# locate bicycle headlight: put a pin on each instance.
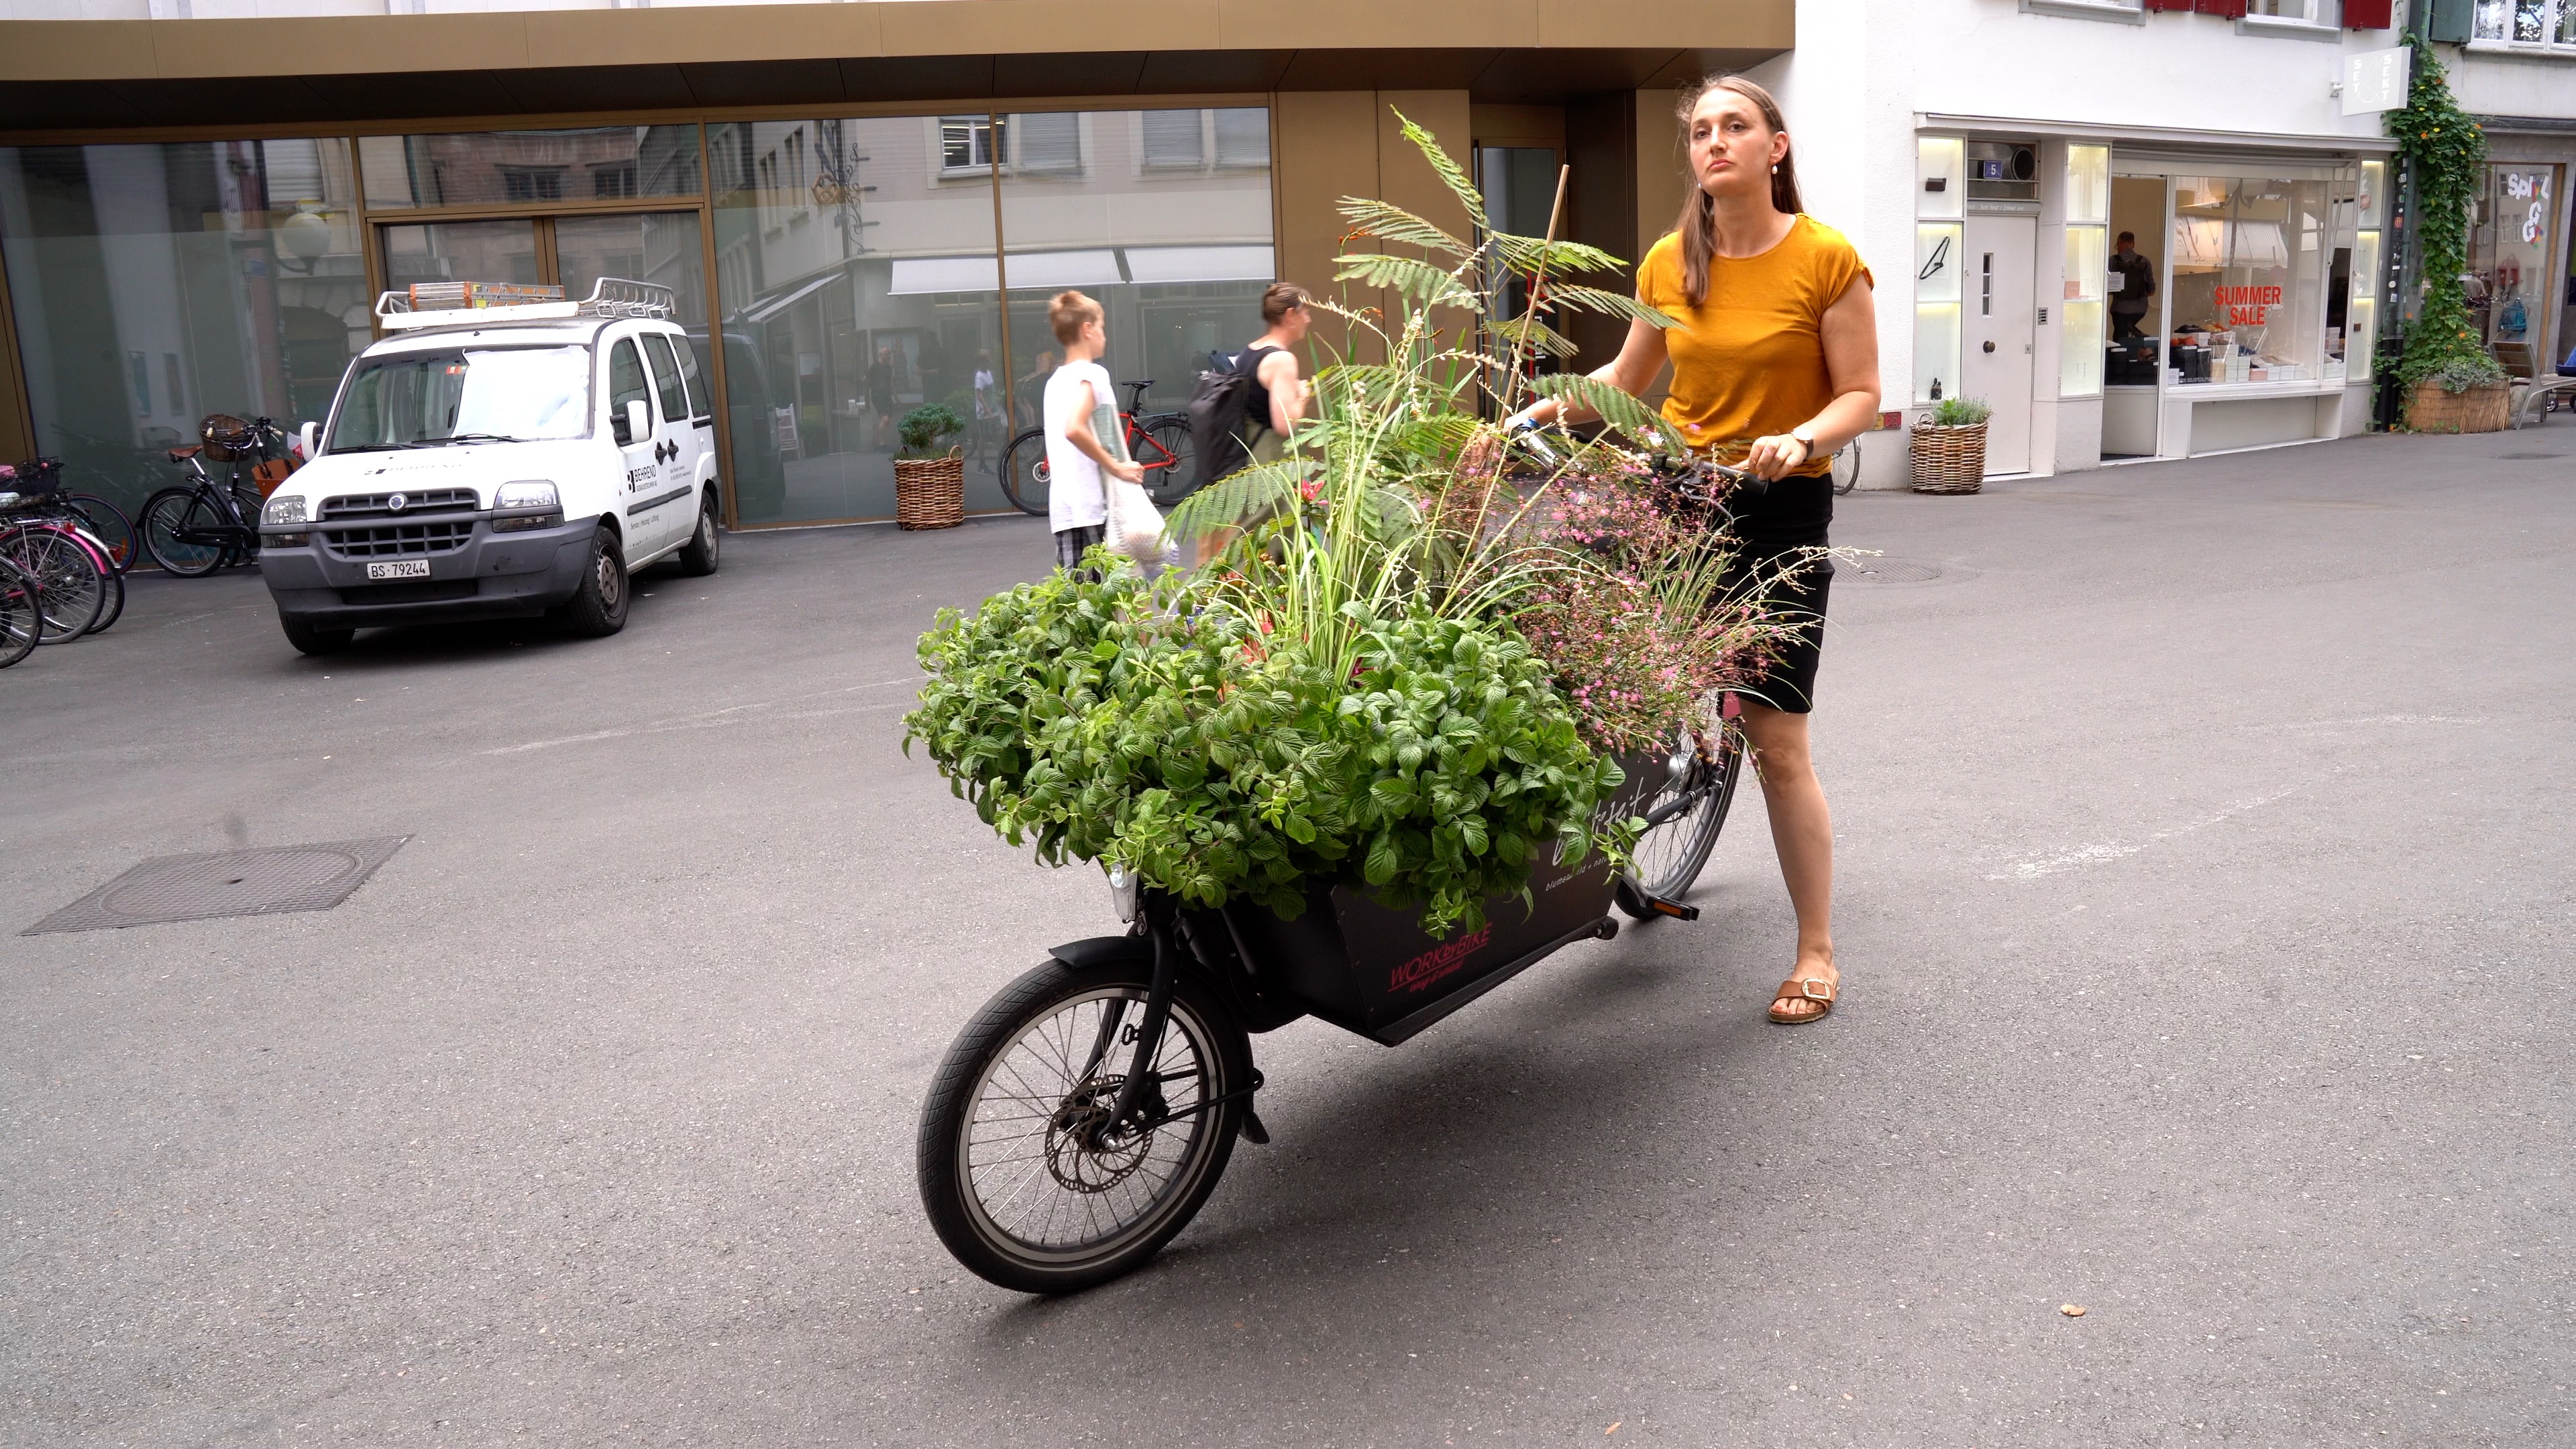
(283, 508)
(528, 493)
(1122, 891)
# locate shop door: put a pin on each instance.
(1996, 362)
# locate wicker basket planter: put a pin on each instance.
(2480, 409)
(1949, 460)
(930, 492)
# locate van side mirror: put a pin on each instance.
(635, 423)
(310, 435)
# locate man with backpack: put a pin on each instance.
(1242, 409)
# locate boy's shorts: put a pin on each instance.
(1070, 542)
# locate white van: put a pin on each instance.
(497, 456)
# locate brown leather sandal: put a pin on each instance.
(1810, 989)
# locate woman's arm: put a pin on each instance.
(1632, 372)
(1278, 373)
(1850, 335)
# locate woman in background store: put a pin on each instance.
(1775, 367)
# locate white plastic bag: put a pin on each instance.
(1135, 524)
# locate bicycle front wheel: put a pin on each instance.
(1170, 466)
(1024, 472)
(108, 524)
(1684, 811)
(1024, 1175)
(69, 582)
(22, 614)
(178, 530)
(1846, 472)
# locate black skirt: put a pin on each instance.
(1794, 513)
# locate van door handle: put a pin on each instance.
(1990, 347)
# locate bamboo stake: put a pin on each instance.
(1538, 279)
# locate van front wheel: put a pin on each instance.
(598, 607)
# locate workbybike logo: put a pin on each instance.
(1438, 962)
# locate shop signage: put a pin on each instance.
(2532, 189)
(2248, 306)
(2375, 80)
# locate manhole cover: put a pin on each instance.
(261, 882)
(1883, 571)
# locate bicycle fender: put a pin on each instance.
(1099, 950)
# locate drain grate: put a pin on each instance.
(205, 887)
(1883, 571)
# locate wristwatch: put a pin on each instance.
(1805, 433)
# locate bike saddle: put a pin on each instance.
(182, 455)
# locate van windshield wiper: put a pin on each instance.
(464, 438)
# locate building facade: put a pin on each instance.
(863, 207)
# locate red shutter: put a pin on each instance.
(2224, 9)
(2367, 15)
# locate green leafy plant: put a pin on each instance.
(2446, 153)
(925, 428)
(1960, 412)
(2460, 374)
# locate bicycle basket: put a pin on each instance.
(228, 439)
(37, 477)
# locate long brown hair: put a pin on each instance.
(1698, 223)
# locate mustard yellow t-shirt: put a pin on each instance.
(1749, 360)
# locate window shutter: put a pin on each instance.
(1242, 136)
(2224, 9)
(1048, 141)
(1171, 140)
(2368, 14)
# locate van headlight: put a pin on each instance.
(527, 493)
(283, 508)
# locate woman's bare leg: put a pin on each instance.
(1802, 832)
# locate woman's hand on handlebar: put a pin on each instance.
(1773, 457)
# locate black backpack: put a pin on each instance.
(1220, 412)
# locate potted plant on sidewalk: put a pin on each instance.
(1950, 447)
(2452, 384)
(929, 485)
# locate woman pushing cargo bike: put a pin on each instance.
(1449, 694)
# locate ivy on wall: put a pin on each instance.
(2447, 152)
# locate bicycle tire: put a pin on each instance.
(1846, 468)
(1671, 853)
(108, 524)
(22, 613)
(112, 607)
(1169, 483)
(1024, 473)
(173, 511)
(70, 584)
(963, 1211)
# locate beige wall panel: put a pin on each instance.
(1405, 176)
(703, 33)
(343, 45)
(1660, 166)
(17, 429)
(73, 50)
(1517, 125)
(1378, 24)
(1325, 149)
(1024, 27)
(1683, 24)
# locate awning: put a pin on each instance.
(1199, 264)
(914, 276)
(763, 310)
(1053, 271)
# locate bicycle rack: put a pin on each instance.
(610, 297)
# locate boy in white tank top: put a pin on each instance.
(1079, 396)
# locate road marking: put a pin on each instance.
(2369, 719)
(2121, 849)
(718, 718)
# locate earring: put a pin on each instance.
(1775, 170)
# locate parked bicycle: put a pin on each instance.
(21, 614)
(1158, 442)
(80, 589)
(211, 522)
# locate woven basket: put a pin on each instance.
(930, 492)
(1949, 460)
(2481, 409)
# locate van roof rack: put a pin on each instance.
(473, 304)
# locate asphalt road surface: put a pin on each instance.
(2204, 912)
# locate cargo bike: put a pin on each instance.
(1084, 1115)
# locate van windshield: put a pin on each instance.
(466, 395)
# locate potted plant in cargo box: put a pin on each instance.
(1390, 678)
(1949, 447)
(929, 485)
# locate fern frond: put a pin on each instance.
(1612, 304)
(1528, 254)
(1389, 223)
(1532, 334)
(1418, 280)
(1442, 162)
(1244, 496)
(1615, 406)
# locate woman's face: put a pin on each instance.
(1732, 149)
(1294, 322)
